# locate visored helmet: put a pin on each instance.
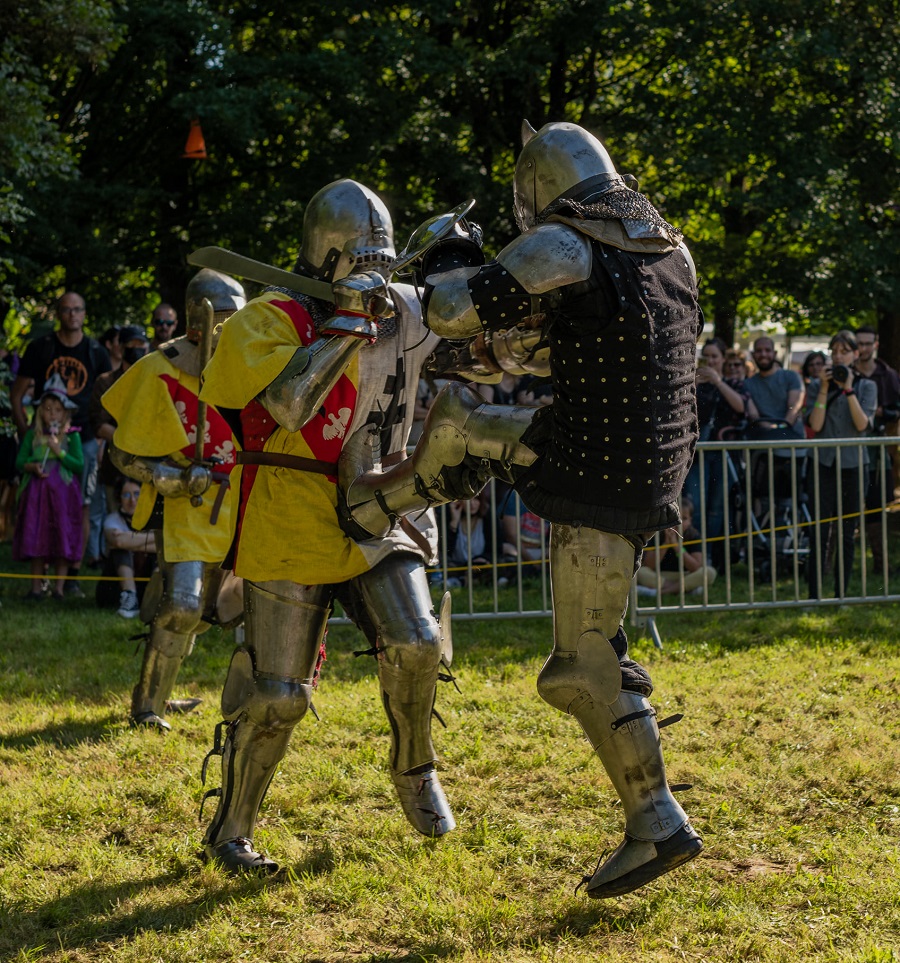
(221, 290)
(559, 160)
(346, 227)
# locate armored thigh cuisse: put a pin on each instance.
(177, 617)
(267, 692)
(591, 572)
(410, 646)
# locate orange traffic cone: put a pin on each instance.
(195, 148)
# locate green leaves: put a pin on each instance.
(767, 130)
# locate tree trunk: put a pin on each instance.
(889, 335)
(723, 325)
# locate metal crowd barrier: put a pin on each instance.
(773, 529)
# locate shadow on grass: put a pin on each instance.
(71, 920)
(65, 734)
(595, 916)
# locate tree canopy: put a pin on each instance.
(767, 131)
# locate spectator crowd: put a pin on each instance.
(67, 509)
(64, 506)
(752, 395)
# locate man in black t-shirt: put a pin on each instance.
(78, 360)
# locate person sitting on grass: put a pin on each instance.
(660, 570)
(48, 520)
(131, 554)
(470, 538)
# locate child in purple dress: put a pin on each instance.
(48, 519)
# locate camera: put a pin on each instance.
(840, 373)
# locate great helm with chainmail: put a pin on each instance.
(222, 291)
(346, 227)
(559, 160)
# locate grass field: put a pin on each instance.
(791, 739)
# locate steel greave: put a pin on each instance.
(266, 694)
(249, 759)
(163, 655)
(631, 754)
(408, 700)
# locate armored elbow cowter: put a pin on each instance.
(171, 481)
(295, 396)
(464, 441)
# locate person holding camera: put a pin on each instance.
(887, 420)
(840, 404)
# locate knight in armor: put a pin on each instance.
(599, 294)
(185, 499)
(296, 376)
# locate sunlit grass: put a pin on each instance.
(790, 739)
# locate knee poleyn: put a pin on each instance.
(410, 647)
(264, 701)
(179, 613)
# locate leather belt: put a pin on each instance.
(280, 460)
(223, 482)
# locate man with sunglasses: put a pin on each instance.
(164, 321)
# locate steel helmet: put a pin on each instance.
(559, 160)
(345, 227)
(222, 291)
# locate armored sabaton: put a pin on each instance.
(613, 289)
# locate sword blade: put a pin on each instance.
(228, 262)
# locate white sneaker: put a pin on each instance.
(129, 607)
